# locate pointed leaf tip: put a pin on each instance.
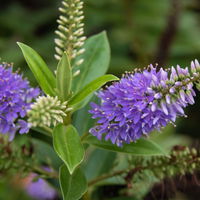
(40, 70)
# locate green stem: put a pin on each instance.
(84, 136)
(68, 119)
(190, 80)
(130, 172)
(41, 171)
(106, 176)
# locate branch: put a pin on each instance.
(181, 160)
(106, 176)
(47, 174)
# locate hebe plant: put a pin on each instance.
(129, 109)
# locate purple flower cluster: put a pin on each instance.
(15, 99)
(142, 102)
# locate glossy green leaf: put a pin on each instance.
(90, 88)
(40, 70)
(96, 61)
(142, 147)
(64, 77)
(67, 144)
(72, 186)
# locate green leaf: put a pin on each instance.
(45, 153)
(40, 70)
(96, 61)
(67, 144)
(90, 88)
(141, 147)
(72, 186)
(64, 77)
(94, 168)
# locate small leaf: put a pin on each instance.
(90, 88)
(72, 186)
(141, 147)
(67, 144)
(96, 60)
(64, 77)
(40, 70)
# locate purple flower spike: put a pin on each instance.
(142, 102)
(15, 99)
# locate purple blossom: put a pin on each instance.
(15, 99)
(142, 102)
(40, 189)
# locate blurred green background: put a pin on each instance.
(140, 32)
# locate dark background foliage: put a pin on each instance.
(140, 32)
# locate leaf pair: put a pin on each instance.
(51, 85)
(67, 144)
